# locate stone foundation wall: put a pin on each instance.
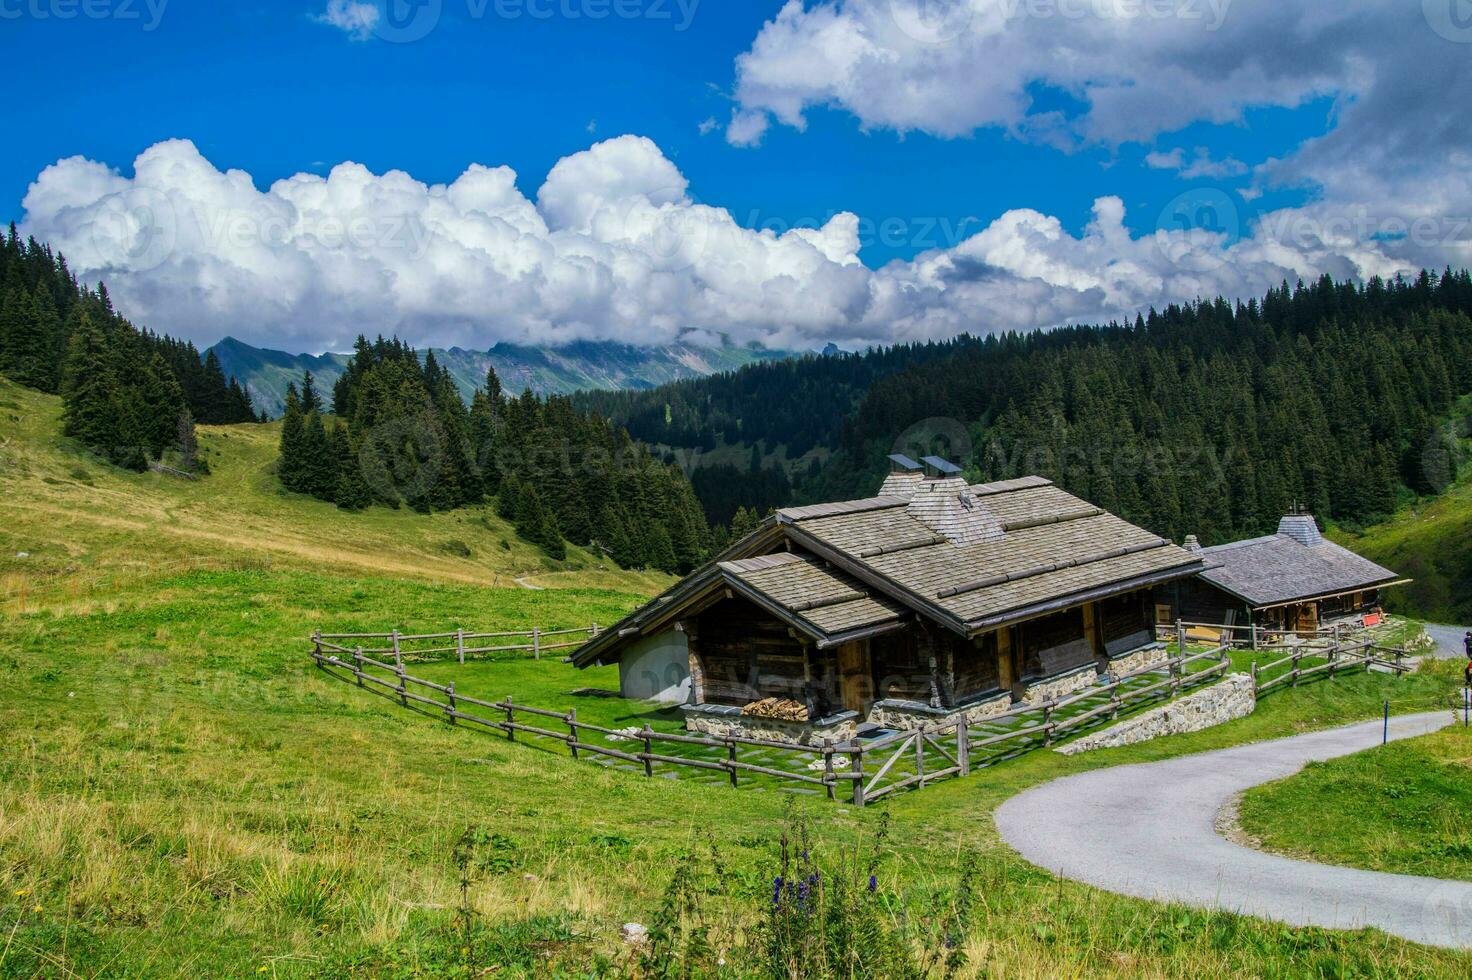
(897, 716)
(772, 729)
(1232, 698)
(1136, 659)
(1060, 687)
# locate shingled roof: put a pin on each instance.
(1028, 547)
(971, 558)
(1295, 565)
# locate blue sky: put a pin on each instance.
(275, 90)
(265, 88)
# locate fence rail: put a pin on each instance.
(404, 647)
(1330, 652)
(864, 770)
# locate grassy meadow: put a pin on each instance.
(1405, 808)
(183, 794)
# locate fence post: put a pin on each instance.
(731, 757)
(403, 684)
(1254, 636)
(460, 645)
(450, 694)
(648, 748)
(1254, 677)
(828, 766)
(1180, 638)
(858, 771)
(593, 630)
(1334, 652)
(963, 746)
(510, 720)
(920, 755)
(1048, 723)
(1296, 655)
(398, 657)
(572, 727)
(536, 643)
(358, 665)
(317, 644)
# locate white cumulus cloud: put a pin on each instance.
(615, 246)
(354, 18)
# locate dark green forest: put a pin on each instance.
(130, 395)
(1211, 418)
(399, 434)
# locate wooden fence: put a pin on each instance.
(408, 646)
(1331, 656)
(869, 769)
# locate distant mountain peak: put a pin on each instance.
(577, 366)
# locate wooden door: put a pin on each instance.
(855, 680)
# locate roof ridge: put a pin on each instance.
(810, 511)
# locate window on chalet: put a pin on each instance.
(1124, 622)
(1054, 644)
(901, 668)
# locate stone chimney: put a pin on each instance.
(1192, 543)
(1301, 528)
(944, 503)
(905, 477)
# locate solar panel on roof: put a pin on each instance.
(941, 465)
(904, 462)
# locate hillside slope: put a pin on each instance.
(1430, 542)
(69, 515)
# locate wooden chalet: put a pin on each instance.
(1289, 581)
(931, 600)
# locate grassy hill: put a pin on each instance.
(73, 517)
(1429, 540)
(182, 794)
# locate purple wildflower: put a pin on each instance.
(873, 884)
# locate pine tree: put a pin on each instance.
(90, 413)
(291, 464)
(190, 461)
(352, 491)
(318, 466)
(311, 400)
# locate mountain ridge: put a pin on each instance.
(577, 366)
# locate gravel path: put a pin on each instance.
(1150, 831)
(1448, 640)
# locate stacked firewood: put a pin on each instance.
(783, 709)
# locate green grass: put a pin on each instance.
(183, 794)
(1400, 808)
(79, 521)
(1427, 541)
